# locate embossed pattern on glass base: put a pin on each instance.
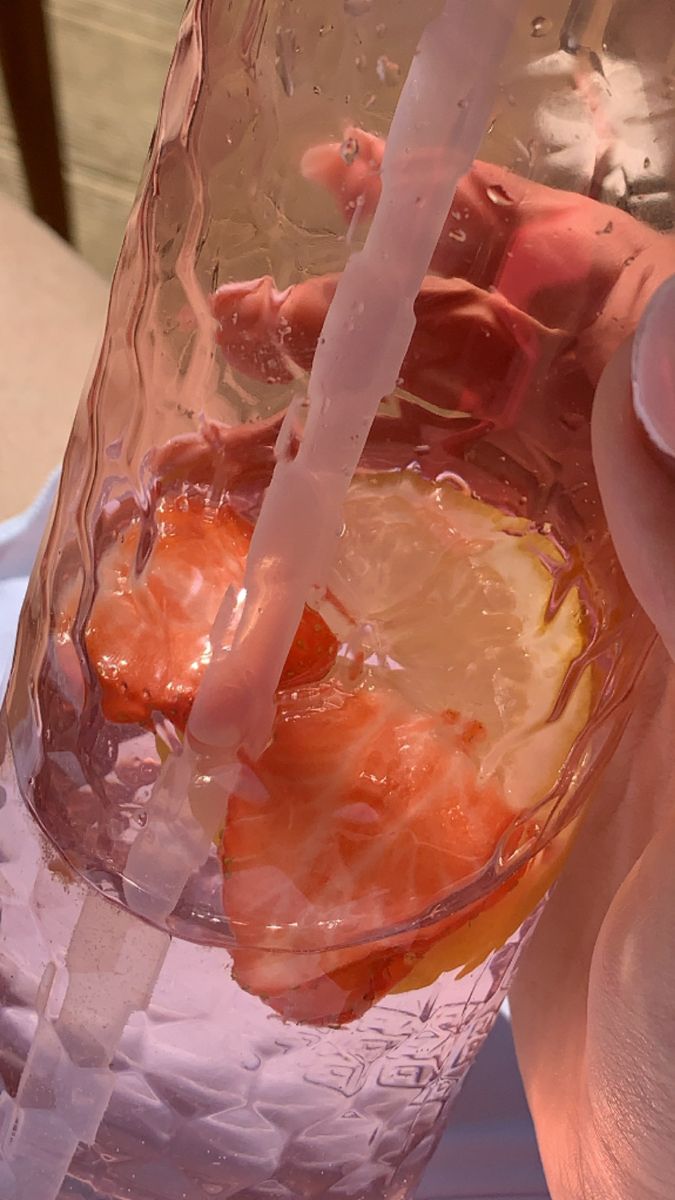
(215, 1095)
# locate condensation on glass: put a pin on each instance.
(187, 395)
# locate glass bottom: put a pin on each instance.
(215, 1096)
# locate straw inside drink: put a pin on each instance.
(435, 133)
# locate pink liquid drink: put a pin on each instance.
(328, 642)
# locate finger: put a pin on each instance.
(222, 461)
(634, 460)
(474, 351)
(554, 254)
(483, 215)
(244, 311)
(268, 334)
(631, 1030)
(471, 350)
(349, 169)
(571, 963)
(630, 1045)
(653, 375)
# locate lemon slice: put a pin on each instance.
(450, 599)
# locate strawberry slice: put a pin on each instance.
(361, 814)
(148, 632)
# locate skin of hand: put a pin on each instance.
(523, 272)
(594, 1000)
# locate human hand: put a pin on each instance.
(594, 1000)
(522, 273)
(593, 1013)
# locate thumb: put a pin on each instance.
(634, 454)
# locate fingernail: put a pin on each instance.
(653, 372)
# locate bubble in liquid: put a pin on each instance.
(540, 27)
(499, 195)
(286, 48)
(349, 150)
(388, 72)
(251, 1061)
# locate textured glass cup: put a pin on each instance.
(261, 181)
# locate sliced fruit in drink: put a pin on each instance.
(361, 814)
(414, 723)
(148, 634)
(393, 784)
(453, 602)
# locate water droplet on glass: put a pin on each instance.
(286, 49)
(540, 27)
(647, 164)
(499, 195)
(380, 29)
(463, 103)
(357, 8)
(387, 71)
(572, 421)
(251, 1061)
(349, 150)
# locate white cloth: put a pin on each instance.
(20, 539)
(605, 134)
(489, 1150)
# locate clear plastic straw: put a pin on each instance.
(442, 113)
(113, 962)
(436, 130)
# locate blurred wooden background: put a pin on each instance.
(110, 58)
